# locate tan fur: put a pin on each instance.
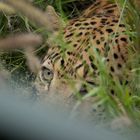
(97, 29)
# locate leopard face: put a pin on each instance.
(97, 32)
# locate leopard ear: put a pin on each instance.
(53, 18)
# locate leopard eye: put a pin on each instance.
(46, 74)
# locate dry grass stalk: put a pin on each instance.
(32, 61)
(6, 8)
(49, 21)
(20, 41)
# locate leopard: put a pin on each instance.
(70, 69)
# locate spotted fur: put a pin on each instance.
(98, 31)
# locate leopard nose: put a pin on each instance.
(83, 91)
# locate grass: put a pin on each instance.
(15, 62)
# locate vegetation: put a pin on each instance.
(122, 106)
